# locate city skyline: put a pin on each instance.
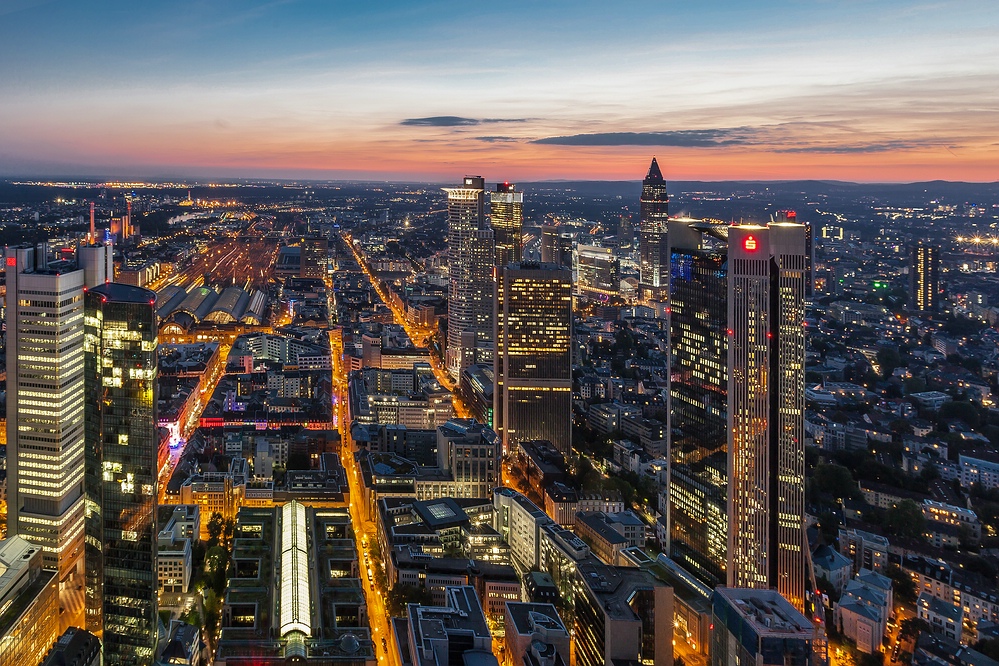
(775, 91)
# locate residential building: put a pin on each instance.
(864, 609)
(865, 550)
(944, 617)
(924, 276)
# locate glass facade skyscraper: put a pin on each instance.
(470, 252)
(506, 215)
(533, 363)
(698, 412)
(121, 474)
(653, 223)
(736, 313)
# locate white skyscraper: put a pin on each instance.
(470, 262)
(45, 401)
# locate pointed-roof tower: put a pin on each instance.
(654, 175)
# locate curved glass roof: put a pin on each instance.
(296, 606)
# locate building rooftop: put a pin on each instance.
(766, 611)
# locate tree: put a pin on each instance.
(888, 359)
(902, 586)
(910, 628)
(216, 525)
(402, 594)
(834, 479)
(960, 409)
(989, 647)
(905, 519)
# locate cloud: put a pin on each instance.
(456, 121)
(796, 137)
(496, 139)
(704, 138)
(440, 121)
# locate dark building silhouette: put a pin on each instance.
(120, 479)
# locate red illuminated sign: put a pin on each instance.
(749, 244)
(12, 261)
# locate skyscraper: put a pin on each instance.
(766, 408)
(121, 470)
(470, 261)
(45, 405)
(533, 362)
(653, 222)
(736, 309)
(314, 258)
(698, 398)
(506, 213)
(924, 277)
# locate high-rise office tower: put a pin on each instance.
(506, 214)
(924, 277)
(736, 313)
(653, 222)
(698, 398)
(314, 258)
(45, 405)
(470, 261)
(792, 216)
(121, 470)
(766, 409)
(533, 363)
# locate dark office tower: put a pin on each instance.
(120, 480)
(470, 261)
(549, 237)
(766, 405)
(506, 213)
(924, 277)
(533, 362)
(315, 253)
(698, 398)
(654, 218)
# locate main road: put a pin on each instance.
(418, 334)
(365, 532)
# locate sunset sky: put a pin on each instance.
(763, 89)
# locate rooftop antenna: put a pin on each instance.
(92, 238)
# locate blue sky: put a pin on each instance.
(852, 90)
